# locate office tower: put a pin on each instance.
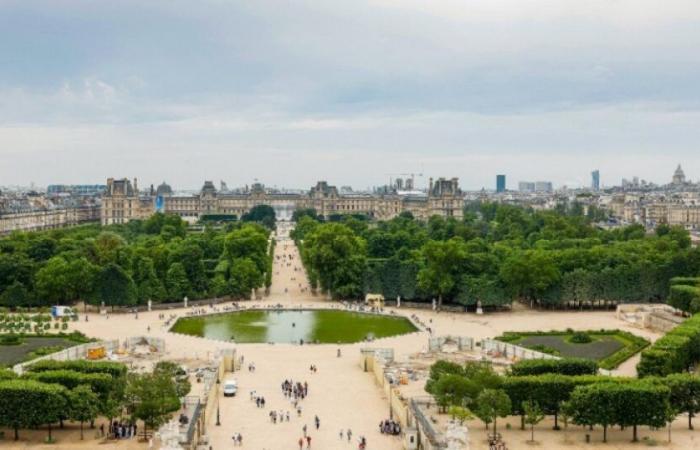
(595, 180)
(500, 183)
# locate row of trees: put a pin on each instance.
(55, 391)
(496, 254)
(157, 259)
(589, 400)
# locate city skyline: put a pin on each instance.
(421, 182)
(314, 91)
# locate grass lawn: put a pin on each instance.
(14, 354)
(609, 348)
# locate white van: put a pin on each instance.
(230, 388)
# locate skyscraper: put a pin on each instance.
(500, 183)
(595, 180)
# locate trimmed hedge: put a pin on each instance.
(7, 374)
(100, 383)
(674, 352)
(114, 369)
(564, 366)
(30, 404)
(684, 297)
(549, 390)
(625, 404)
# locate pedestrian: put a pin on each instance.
(301, 443)
(308, 442)
(349, 434)
(318, 422)
(304, 429)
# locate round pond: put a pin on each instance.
(322, 326)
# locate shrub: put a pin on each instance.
(544, 349)
(580, 338)
(564, 366)
(10, 339)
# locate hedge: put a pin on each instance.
(7, 374)
(564, 366)
(625, 404)
(674, 352)
(549, 389)
(691, 281)
(30, 404)
(684, 297)
(100, 383)
(116, 370)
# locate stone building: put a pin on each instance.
(46, 219)
(123, 202)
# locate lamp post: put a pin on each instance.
(218, 399)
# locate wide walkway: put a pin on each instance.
(340, 393)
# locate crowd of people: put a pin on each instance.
(121, 430)
(390, 427)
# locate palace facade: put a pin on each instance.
(122, 201)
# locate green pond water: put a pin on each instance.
(324, 326)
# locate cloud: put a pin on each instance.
(348, 91)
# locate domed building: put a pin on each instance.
(678, 176)
(164, 190)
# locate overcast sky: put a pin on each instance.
(292, 91)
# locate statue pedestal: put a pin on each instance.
(479, 311)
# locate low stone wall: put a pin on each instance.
(71, 353)
(508, 350)
(654, 316)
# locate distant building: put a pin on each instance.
(123, 202)
(500, 183)
(537, 186)
(543, 186)
(595, 180)
(678, 176)
(526, 186)
(76, 189)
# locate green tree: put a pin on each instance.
(685, 394)
(15, 295)
(84, 405)
(115, 287)
(492, 404)
(152, 398)
(29, 404)
(177, 282)
(443, 264)
(453, 390)
(338, 257)
(460, 413)
(263, 214)
(244, 277)
(533, 416)
(529, 274)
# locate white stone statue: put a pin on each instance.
(434, 305)
(398, 301)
